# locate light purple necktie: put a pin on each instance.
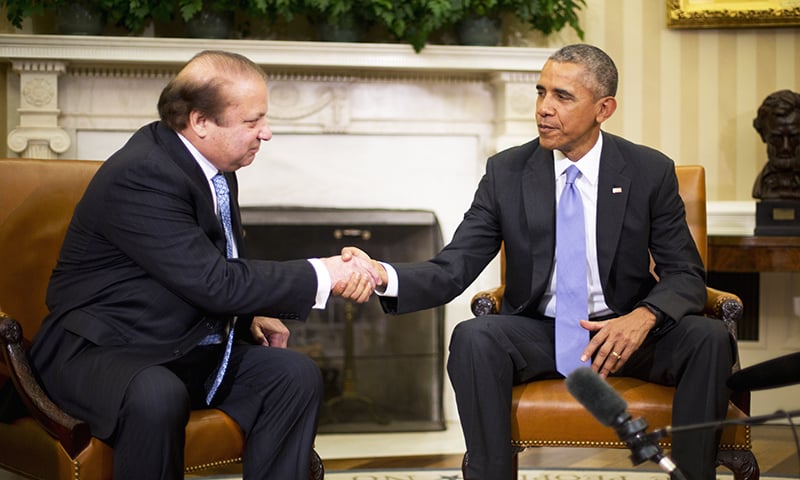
(572, 304)
(224, 203)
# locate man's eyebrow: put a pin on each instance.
(564, 93)
(559, 91)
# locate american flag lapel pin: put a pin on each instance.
(616, 190)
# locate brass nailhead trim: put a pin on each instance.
(218, 463)
(76, 466)
(565, 443)
(592, 444)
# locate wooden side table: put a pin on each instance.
(753, 254)
(735, 263)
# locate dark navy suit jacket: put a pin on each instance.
(142, 277)
(639, 212)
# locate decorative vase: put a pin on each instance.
(210, 24)
(479, 30)
(346, 28)
(78, 18)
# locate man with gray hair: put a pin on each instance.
(152, 285)
(591, 281)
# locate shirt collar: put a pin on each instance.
(589, 164)
(208, 169)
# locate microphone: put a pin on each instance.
(597, 396)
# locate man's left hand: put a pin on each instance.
(269, 332)
(616, 339)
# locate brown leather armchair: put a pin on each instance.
(543, 413)
(37, 198)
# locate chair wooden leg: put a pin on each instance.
(515, 451)
(317, 469)
(742, 463)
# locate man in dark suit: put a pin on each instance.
(150, 281)
(638, 326)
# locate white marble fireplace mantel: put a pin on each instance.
(322, 55)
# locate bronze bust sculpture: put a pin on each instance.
(778, 123)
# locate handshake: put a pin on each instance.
(354, 275)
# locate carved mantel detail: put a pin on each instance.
(38, 134)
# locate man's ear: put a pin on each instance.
(198, 123)
(606, 107)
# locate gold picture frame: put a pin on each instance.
(732, 13)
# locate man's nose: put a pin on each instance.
(544, 107)
(265, 134)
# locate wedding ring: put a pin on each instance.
(616, 355)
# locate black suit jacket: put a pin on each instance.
(639, 212)
(142, 277)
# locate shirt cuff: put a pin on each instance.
(323, 283)
(392, 284)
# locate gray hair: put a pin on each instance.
(600, 69)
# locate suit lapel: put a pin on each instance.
(539, 198)
(612, 200)
(179, 154)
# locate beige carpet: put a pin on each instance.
(528, 474)
(525, 474)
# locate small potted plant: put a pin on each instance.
(210, 18)
(413, 21)
(338, 20)
(89, 17)
(215, 18)
(480, 20)
(82, 17)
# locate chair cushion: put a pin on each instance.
(213, 439)
(544, 413)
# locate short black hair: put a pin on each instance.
(599, 66)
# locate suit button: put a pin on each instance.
(210, 325)
(176, 352)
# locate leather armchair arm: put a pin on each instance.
(728, 308)
(487, 302)
(725, 306)
(72, 433)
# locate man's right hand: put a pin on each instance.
(349, 253)
(352, 277)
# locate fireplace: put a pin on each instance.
(381, 372)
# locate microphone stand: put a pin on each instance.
(645, 447)
(756, 420)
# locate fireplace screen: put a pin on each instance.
(381, 372)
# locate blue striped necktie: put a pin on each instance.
(572, 298)
(224, 203)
